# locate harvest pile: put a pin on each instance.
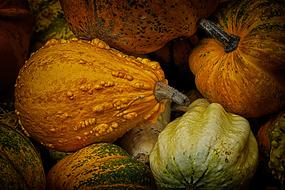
(142, 94)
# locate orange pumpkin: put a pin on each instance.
(246, 74)
(73, 93)
(15, 33)
(135, 26)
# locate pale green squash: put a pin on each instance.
(206, 148)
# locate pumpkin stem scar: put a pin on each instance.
(164, 91)
(229, 41)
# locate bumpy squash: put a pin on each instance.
(49, 22)
(247, 76)
(135, 26)
(15, 33)
(206, 148)
(73, 93)
(271, 139)
(99, 166)
(20, 163)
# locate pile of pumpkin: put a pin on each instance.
(142, 94)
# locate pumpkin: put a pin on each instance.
(15, 33)
(140, 140)
(99, 166)
(205, 148)
(243, 68)
(271, 140)
(135, 26)
(73, 93)
(20, 163)
(49, 22)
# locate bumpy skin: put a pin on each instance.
(271, 139)
(73, 93)
(250, 80)
(206, 148)
(100, 166)
(20, 163)
(137, 26)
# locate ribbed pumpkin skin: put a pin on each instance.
(250, 80)
(99, 166)
(21, 165)
(73, 93)
(135, 26)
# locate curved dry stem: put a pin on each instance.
(164, 91)
(229, 41)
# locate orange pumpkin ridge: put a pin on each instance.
(248, 77)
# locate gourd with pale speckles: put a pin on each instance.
(73, 93)
(136, 26)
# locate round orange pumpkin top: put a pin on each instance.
(249, 80)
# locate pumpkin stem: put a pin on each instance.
(164, 91)
(229, 41)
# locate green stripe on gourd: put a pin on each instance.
(49, 22)
(101, 165)
(21, 165)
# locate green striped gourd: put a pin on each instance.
(99, 166)
(49, 22)
(20, 163)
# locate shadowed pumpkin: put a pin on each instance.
(136, 26)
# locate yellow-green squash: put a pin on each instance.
(206, 148)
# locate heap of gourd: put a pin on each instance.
(142, 94)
